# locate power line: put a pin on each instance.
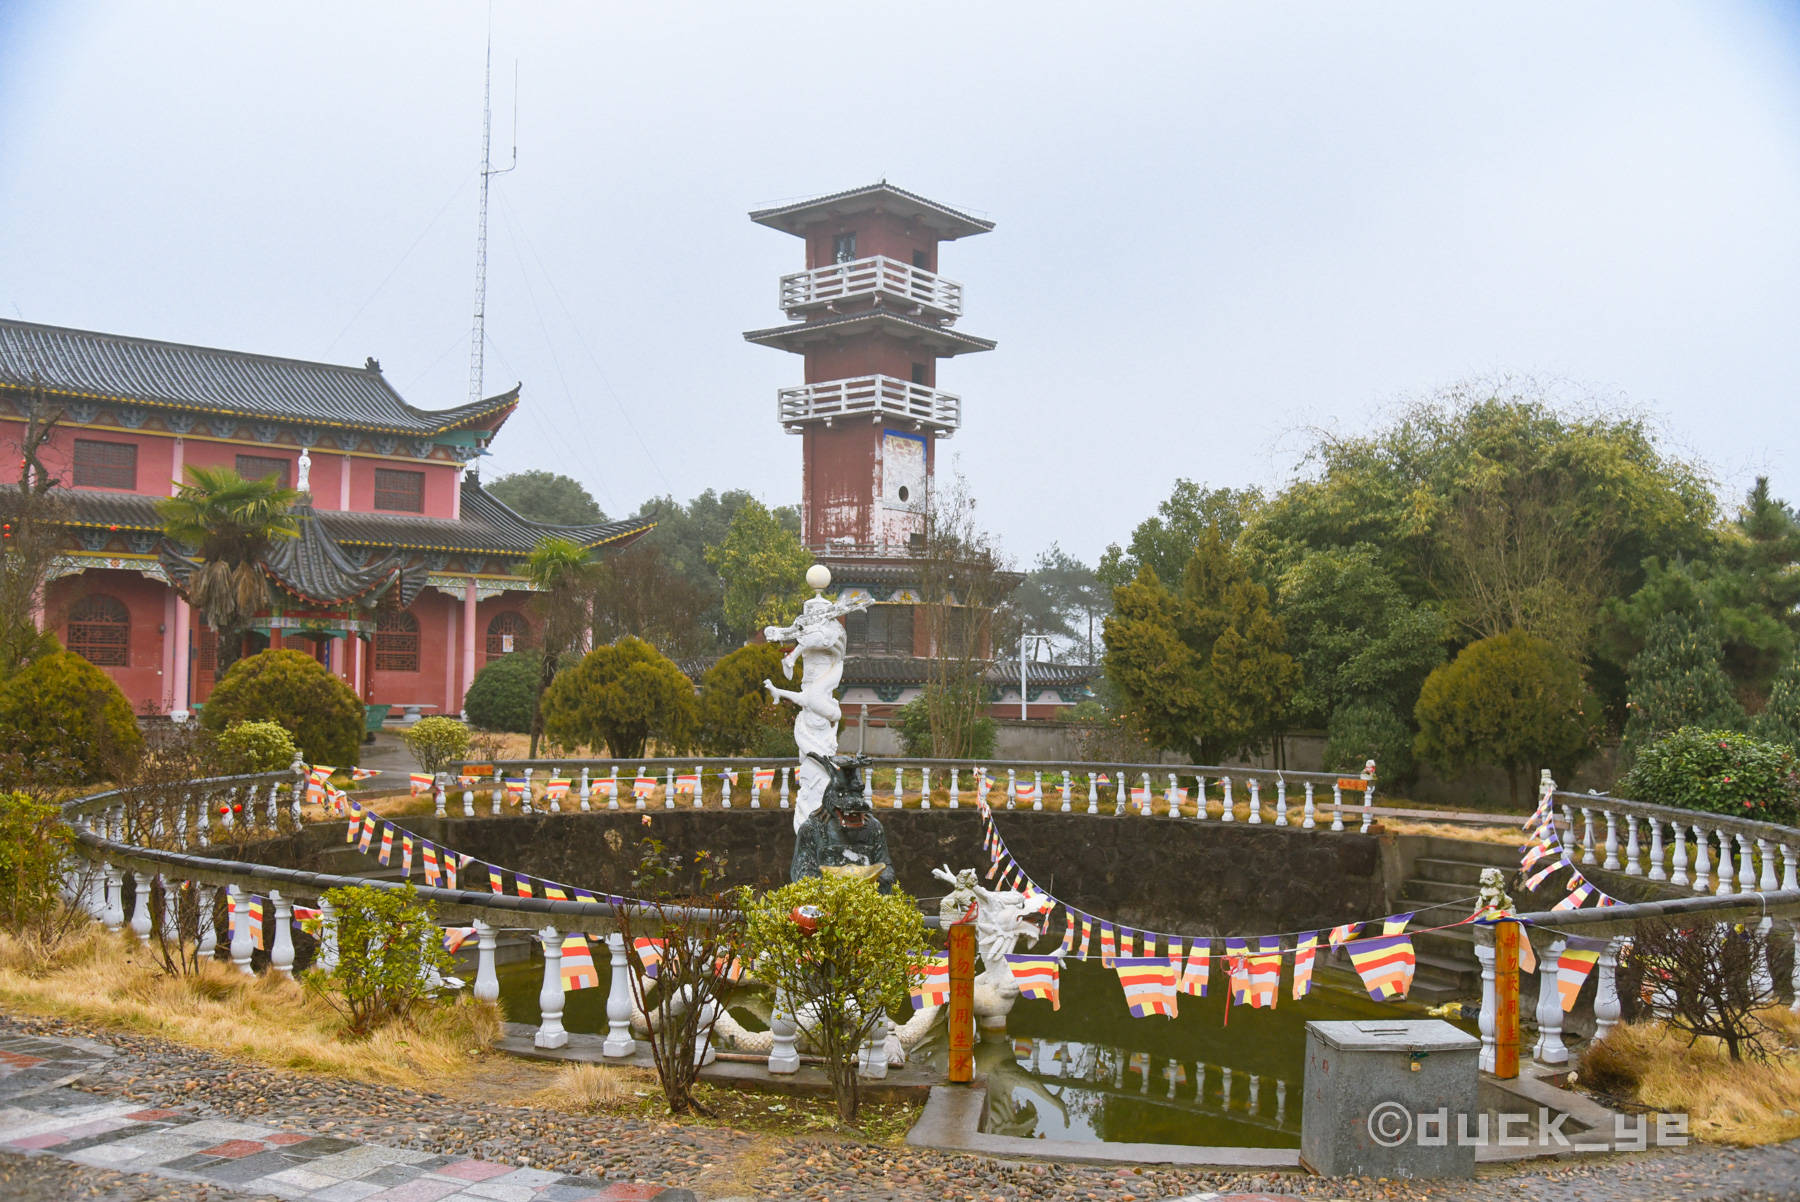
(448, 201)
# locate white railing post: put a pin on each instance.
(468, 784)
(1587, 838)
(1550, 1049)
(784, 788)
(1678, 861)
(1123, 793)
(1746, 868)
(868, 779)
(669, 788)
(1281, 818)
(487, 981)
(619, 1043)
(1484, 955)
(1765, 855)
(1633, 855)
(1255, 802)
(114, 918)
(1724, 871)
(498, 796)
(1794, 975)
(242, 945)
(550, 1033)
(585, 794)
(1011, 783)
(1702, 861)
(954, 787)
(437, 795)
(206, 931)
(612, 799)
(725, 775)
(326, 958)
(1227, 806)
(1611, 862)
(1093, 793)
(1146, 809)
(1037, 792)
(699, 787)
(1068, 787)
(899, 787)
(925, 788)
(171, 911)
(525, 798)
(784, 1056)
(1169, 796)
(1657, 872)
(1790, 879)
(1606, 989)
(1368, 807)
(140, 907)
(281, 947)
(1307, 821)
(1337, 806)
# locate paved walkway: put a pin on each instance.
(39, 1113)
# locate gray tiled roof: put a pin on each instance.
(949, 222)
(941, 339)
(314, 569)
(486, 524)
(78, 364)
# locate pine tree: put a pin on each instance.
(1677, 680)
(1779, 721)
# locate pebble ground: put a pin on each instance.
(720, 1163)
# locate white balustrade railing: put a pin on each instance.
(866, 398)
(876, 276)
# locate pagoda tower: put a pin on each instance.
(871, 317)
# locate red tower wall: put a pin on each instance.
(876, 234)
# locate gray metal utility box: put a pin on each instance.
(1390, 1099)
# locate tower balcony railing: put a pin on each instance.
(874, 397)
(876, 276)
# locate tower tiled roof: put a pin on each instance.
(941, 339)
(949, 223)
(84, 365)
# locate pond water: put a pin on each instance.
(1090, 1071)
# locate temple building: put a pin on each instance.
(407, 577)
(871, 319)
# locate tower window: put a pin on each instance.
(922, 260)
(843, 248)
(880, 630)
(921, 374)
(100, 464)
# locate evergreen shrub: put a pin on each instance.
(296, 691)
(1369, 730)
(64, 721)
(252, 746)
(437, 742)
(500, 696)
(34, 841)
(390, 951)
(1719, 772)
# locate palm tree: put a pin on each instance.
(564, 576)
(232, 521)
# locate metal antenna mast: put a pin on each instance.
(478, 339)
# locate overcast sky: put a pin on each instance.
(1219, 226)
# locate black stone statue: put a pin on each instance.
(843, 832)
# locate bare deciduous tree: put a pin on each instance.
(1704, 979)
(963, 578)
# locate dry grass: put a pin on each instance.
(110, 981)
(1740, 1103)
(1468, 832)
(595, 1089)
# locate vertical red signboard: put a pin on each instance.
(962, 1002)
(1506, 1000)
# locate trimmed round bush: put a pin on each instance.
(1719, 772)
(499, 698)
(245, 747)
(1369, 730)
(295, 690)
(437, 742)
(64, 720)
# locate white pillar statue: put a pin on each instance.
(819, 644)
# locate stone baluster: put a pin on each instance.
(181, 823)
(1606, 989)
(1484, 955)
(1281, 817)
(1587, 838)
(925, 788)
(872, 1063)
(1255, 802)
(1307, 817)
(1633, 857)
(612, 799)
(1368, 808)
(1169, 796)
(171, 911)
(468, 795)
(1794, 975)
(1789, 862)
(550, 1033)
(206, 929)
(1702, 862)
(784, 1056)
(955, 788)
(202, 819)
(242, 945)
(487, 981)
(438, 791)
(140, 907)
(725, 778)
(584, 795)
(498, 797)
(326, 958)
(1093, 806)
(1549, 1049)
(1762, 975)
(1611, 861)
(1227, 807)
(1337, 806)
(273, 802)
(1724, 873)
(225, 822)
(525, 806)
(1657, 871)
(1119, 1072)
(699, 787)
(1255, 1103)
(899, 787)
(618, 1043)
(1224, 1087)
(668, 788)
(1678, 862)
(1280, 1103)
(755, 789)
(1068, 787)
(114, 918)
(281, 947)
(1746, 866)
(1145, 808)
(784, 788)
(1010, 780)
(1037, 789)
(1765, 856)
(868, 779)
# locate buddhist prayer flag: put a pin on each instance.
(1237, 969)
(556, 788)
(1342, 934)
(1087, 936)
(687, 782)
(419, 782)
(320, 772)
(1036, 977)
(387, 843)
(523, 883)
(650, 954)
(1107, 951)
(1265, 975)
(1573, 967)
(406, 853)
(577, 964)
(1068, 939)
(515, 787)
(554, 892)
(356, 817)
(1393, 924)
(1197, 968)
(582, 895)
(644, 786)
(1304, 950)
(495, 881)
(1149, 984)
(469, 782)
(363, 773)
(429, 862)
(1573, 902)
(455, 937)
(1140, 796)
(1385, 964)
(762, 778)
(1537, 878)
(256, 922)
(1533, 854)
(368, 832)
(450, 870)
(731, 969)
(1178, 796)
(1025, 790)
(1128, 943)
(606, 787)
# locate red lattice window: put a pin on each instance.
(101, 464)
(207, 661)
(260, 467)
(506, 634)
(396, 642)
(100, 631)
(396, 489)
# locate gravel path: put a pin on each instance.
(719, 1163)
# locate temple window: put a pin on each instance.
(401, 490)
(100, 631)
(506, 634)
(880, 630)
(100, 464)
(396, 642)
(843, 248)
(260, 467)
